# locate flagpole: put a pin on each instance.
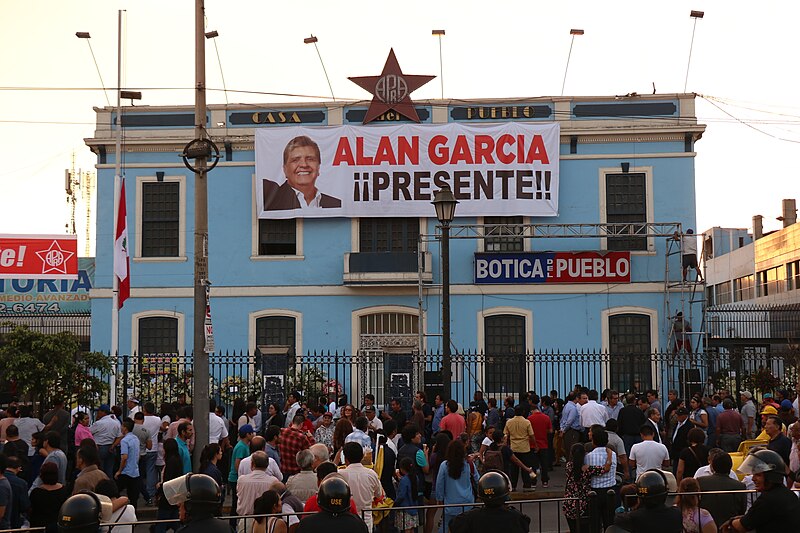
(117, 180)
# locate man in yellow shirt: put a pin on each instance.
(519, 433)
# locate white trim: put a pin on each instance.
(605, 314)
(298, 326)
(298, 234)
(527, 314)
(181, 180)
(355, 233)
(648, 184)
(135, 317)
(355, 317)
(526, 242)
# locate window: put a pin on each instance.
(160, 219)
(793, 275)
(770, 281)
(276, 331)
(158, 335)
(504, 339)
(630, 346)
(743, 289)
(388, 234)
(503, 239)
(722, 293)
(277, 237)
(626, 201)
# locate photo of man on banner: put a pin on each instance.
(301, 163)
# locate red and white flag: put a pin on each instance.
(121, 257)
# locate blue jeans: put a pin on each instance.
(149, 474)
(106, 460)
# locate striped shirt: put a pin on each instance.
(597, 457)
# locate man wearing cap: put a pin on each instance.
(240, 451)
(107, 434)
(748, 412)
(680, 436)
(324, 432)
(133, 407)
(786, 413)
(375, 423)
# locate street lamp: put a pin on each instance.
(445, 204)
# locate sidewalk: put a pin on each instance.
(555, 489)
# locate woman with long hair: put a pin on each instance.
(343, 428)
(274, 416)
(698, 416)
(695, 519)
(209, 457)
(440, 443)
(578, 486)
(266, 504)
(454, 482)
(173, 467)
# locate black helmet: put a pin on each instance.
(80, 512)
(203, 492)
(493, 488)
(764, 461)
(651, 487)
(334, 494)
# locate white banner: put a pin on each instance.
(393, 171)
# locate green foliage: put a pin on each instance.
(48, 366)
(762, 380)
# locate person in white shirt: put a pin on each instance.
(294, 406)
(217, 428)
(365, 485)
(258, 444)
(248, 417)
(133, 407)
(707, 470)
(648, 453)
(122, 513)
(592, 412)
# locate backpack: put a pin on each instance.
(493, 460)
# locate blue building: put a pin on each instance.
(353, 285)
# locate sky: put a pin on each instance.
(742, 65)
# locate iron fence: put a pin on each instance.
(319, 375)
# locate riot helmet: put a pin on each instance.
(493, 488)
(651, 487)
(334, 494)
(764, 461)
(195, 491)
(84, 512)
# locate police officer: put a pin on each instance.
(777, 509)
(334, 500)
(653, 515)
(83, 513)
(493, 490)
(198, 498)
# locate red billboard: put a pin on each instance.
(39, 256)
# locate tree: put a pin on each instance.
(49, 366)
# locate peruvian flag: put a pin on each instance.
(121, 257)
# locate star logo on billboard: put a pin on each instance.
(391, 91)
(54, 259)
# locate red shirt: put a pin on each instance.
(541, 427)
(453, 423)
(313, 507)
(292, 441)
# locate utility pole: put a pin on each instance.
(200, 393)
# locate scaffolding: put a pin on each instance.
(687, 291)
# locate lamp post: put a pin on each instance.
(445, 204)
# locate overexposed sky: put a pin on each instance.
(744, 61)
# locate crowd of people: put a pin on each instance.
(404, 459)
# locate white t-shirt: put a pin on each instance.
(486, 441)
(125, 514)
(217, 429)
(648, 454)
(153, 425)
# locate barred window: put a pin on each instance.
(504, 339)
(503, 239)
(388, 234)
(626, 201)
(629, 347)
(277, 237)
(276, 331)
(158, 335)
(160, 219)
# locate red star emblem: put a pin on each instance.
(391, 90)
(54, 259)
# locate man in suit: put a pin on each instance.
(680, 436)
(301, 161)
